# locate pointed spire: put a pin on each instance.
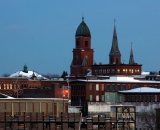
(82, 18)
(114, 49)
(131, 59)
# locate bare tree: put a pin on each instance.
(147, 119)
(5, 75)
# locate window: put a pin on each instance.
(77, 44)
(102, 98)
(119, 87)
(113, 70)
(118, 70)
(90, 87)
(113, 87)
(7, 86)
(97, 87)
(155, 86)
(10, 86)
(86, 43)
(4, 85)
(134, 86)
(108, 87)
(102, 87)
(97, 97)
(124, 87)
(90, 98)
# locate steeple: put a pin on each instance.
(131, 59)
(115, 55)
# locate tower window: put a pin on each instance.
(86, 43)
(77, 44)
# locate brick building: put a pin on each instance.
(83, 57)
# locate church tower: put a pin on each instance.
(114, 55)
(82, 53)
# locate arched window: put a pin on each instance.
(117, 61)
(86, 43)
(77, 44)
(111, 60)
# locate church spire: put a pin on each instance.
(131, 59)
(115, 55)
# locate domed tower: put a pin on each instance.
(25, 68)
(82, 53)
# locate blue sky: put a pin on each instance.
(42, 33)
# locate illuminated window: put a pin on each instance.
(118, 70)
(7, 86)
(14, 86)
(102, 87)
(10, 86)
(97, 87)
(0, 86)
(132, 70)
(4, 85)
(126, 70)
(97, 97)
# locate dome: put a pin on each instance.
(83, 30)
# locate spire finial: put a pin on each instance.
(82, 17)
(131, 44)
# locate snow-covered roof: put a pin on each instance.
(27, 75)
(120, 79)
(142, 90)
(145, 73)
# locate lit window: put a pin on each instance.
(4, 86)
(132, 70)
(97, 97)
(10, 86)
(118, 70)
(7, 86)
(126, 70)
(97, 87)
(102, 87)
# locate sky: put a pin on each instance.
(41, 33)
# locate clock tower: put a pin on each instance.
(82, 53)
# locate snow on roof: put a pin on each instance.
(27, 75)
(145, 73)
(142, 90)
(120, 79)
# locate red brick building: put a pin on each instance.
(83, 57)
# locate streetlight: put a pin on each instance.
(68, 87)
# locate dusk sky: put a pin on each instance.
(41, 33)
